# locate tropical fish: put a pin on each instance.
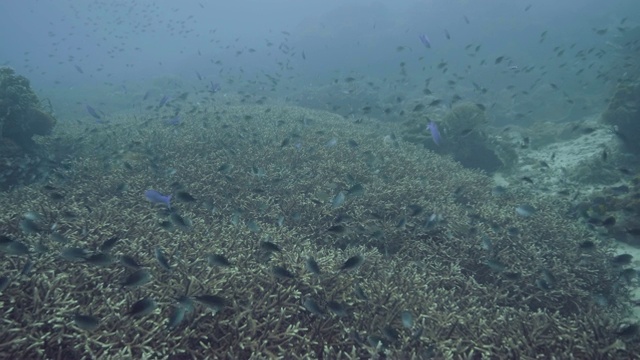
(425, 40)
(352, 263)
(163, 101)
(157, 198)
(435, 134)
(174, 121)
(525, 210)
(86, 322)
(92, 112)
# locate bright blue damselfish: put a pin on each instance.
(157, 198)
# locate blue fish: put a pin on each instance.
(425, 40)
(92, 112)
(163, 101)
(174, 121)
(146, 95)
(157, 198)
(435, 134)
(215, 87)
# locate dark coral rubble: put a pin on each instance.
(428, 283)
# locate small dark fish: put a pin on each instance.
(391, 333)
(495, 265)
(337, 308)
(527, 179)
(352, 263)
(435, 102)
(26, 268)
(179, 220)
(355, 190)
(142, 307)
(549, 278)
(79, 69)
(633, 231)
(466, 132)
(312, 306)
(185, 196)
(587, 245)
(108, 244)
(359, 292)
(99, 259)
(16, 248)
(486, 244)
(627, 330)
(407, 319)
(268, 246)
(92, 112)
(425, 40)
(130, 262)
(4, 282)
(176, 317)
(285, 142)
(622, 259)
(214, 87)
(86, 322)
(525, 210)
(510, 275)
(499, 60)
(338, 200)
(162, 259)
(137, 278)
(415, 210)
(163, 101)
(337, 229)
(74, 254)
(56, 196)
(218, 260)
(312, 266)
(446, 34)
(282, 272)
(498, 190)
(543, 284)
(213, 302)
(609, 221)
(418, 107)
(29, 226)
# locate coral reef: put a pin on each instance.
(257, 174)
(464, 130)
(21, 117)
(20, 114)
(623, 113)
